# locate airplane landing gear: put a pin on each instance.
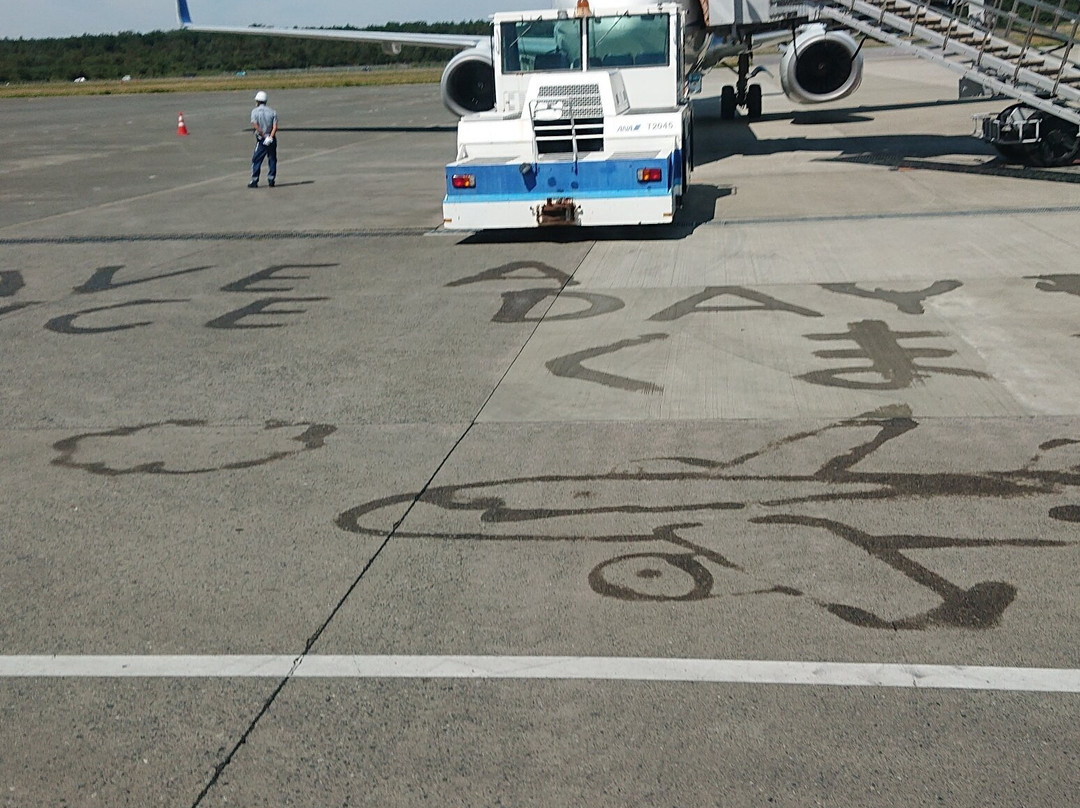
(753, 102)
(728, 103)
(1022, 134)
(742, 94)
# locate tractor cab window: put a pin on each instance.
(547, 45)
(628, 40)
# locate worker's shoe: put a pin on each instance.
(253, 184)
(270, 183)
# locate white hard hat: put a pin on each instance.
(260, 96)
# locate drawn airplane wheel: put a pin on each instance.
(657, 577)
(727, 103)
(753, 102)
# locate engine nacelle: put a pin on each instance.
(821, 66)
(468, 82)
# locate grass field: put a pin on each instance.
(264, 80)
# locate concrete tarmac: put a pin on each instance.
(831, 415)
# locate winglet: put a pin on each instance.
(183, 13)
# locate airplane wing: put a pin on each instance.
(387, 38)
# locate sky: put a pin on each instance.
(61, 18)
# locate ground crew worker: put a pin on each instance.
(264, 121)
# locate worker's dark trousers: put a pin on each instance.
(270, 154)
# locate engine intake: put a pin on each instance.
(821, 65)
(468, 82)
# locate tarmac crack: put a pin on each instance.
(224, 764)
(539, 321)
(314, 638)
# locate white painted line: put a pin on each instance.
(847, 674)
(119, 667)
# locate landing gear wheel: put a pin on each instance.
(1013, 120)
(1058, 143)
(753, 102)
(727, 103)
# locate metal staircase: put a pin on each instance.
(1023, 49)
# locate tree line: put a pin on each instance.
(163, 54)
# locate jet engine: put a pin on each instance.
(820, 66)
(468, 82)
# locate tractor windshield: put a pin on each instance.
(546, 45)
(628, 40)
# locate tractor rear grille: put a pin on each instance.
(568, 118)
(559, 137)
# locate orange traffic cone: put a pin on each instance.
(181, 127)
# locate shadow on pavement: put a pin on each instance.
(699, 207)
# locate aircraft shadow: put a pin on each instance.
(714, 143)
(707, 110)
(997, 167)
(716, 140)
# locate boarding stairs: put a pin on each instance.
(1023, 49)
